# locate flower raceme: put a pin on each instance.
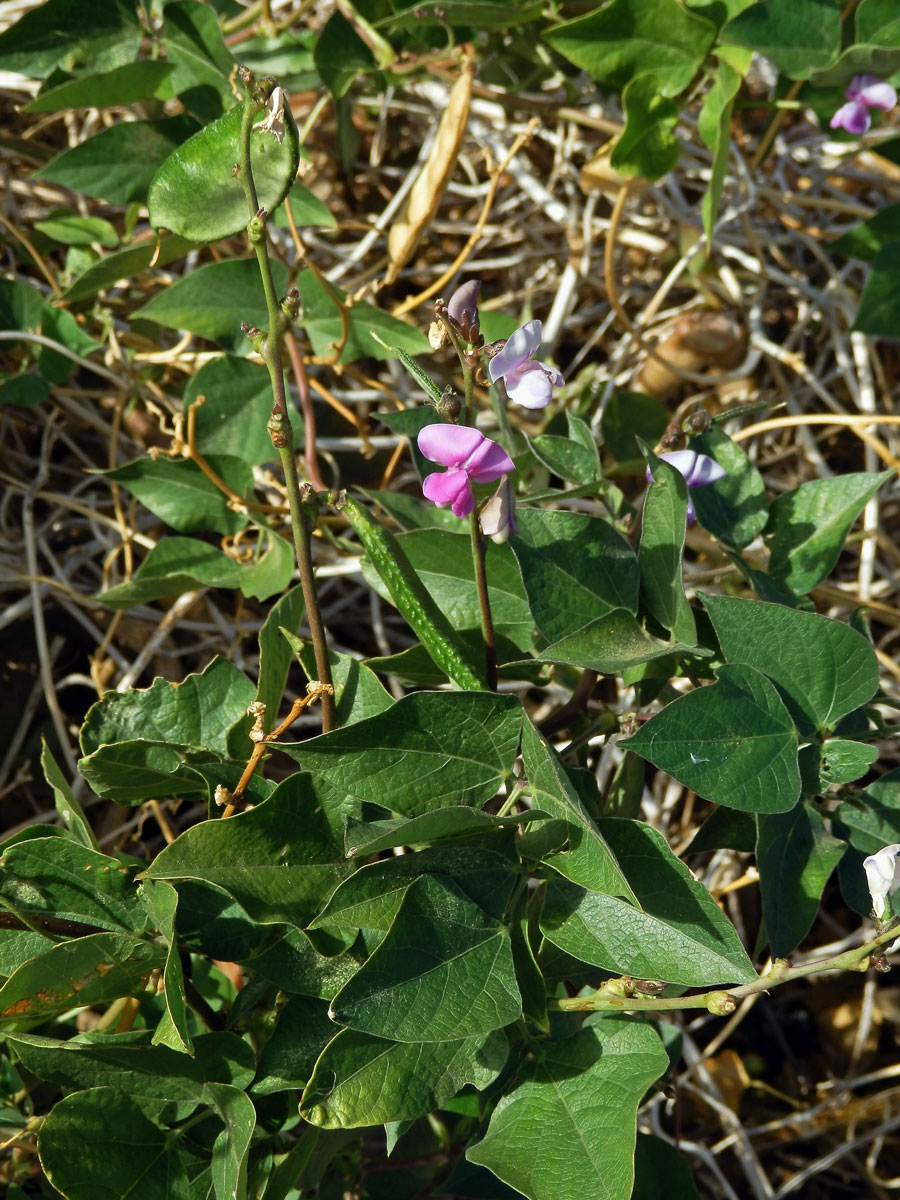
(697, 470)
(883, 876)
(470, 458)
(527, 382)
(864, 92)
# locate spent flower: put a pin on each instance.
(697, 470)
(864, 92)
(498, 516)
(471, 458)
(883, 876)
(527, 382)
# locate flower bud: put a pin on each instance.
(449, 405)
(462, 309)
(720, 1004)
(498, 516)
(697, 422)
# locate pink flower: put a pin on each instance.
(864, 92)
(471, 457)
(698, 470)
(527, 382)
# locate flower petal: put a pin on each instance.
(682, 460)
(853, 116)
(706, 470)
(882, 870)
(450, 487)
(877, 94)
(518, 349)
(530, 385)
(449, 444)
(488, 462)
(497, 517)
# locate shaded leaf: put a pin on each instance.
(179, 493)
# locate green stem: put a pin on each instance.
(487, 621)
(279, 423)
(723, 1001)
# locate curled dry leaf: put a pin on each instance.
(699, 341)
(428, 189)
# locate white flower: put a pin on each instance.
(883, 875)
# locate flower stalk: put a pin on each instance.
(303, 515)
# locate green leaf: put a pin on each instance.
(322, 322)
(54, 877)
(118, 163)
(177, 565)
(733, 743)
(575, 568)
(77, 974)
(122, 85)
(71, 229)
(876, 48)
(126, 264)
(134, 771)
(162, 904)
(627, 417)
(443, 561)
(81, 1159)
(714, 127)
(231, 1148)
(866, 239)
(611, 644)
(733, 509)
(275, 655)
(358, 692)
(482, 869)
(214, 299)
(179, 493)
(660, 1172)
(822, 668)
(195, 713)
(24, 390)
(443, 972)
(277, 860)
(74, 35)
(808, 526)
(661, 552)
(800, 38)
(872, 818)
(363, 838)
(22, 307)
(796, 856)
(616, 43)
(233, 416)
(588, 860)
(647, 145)
(64, 800)
(203, 63)
(195, 192)
(306, 209)
(340, 55)
(824, 764)
(301, 1034)
(583, 1092)
(574, 458)
(606, 932)
(152, 1072)
(427, 750)
(365, 1080)
(293, 965)
(878, 306)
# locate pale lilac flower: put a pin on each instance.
(471, 457)
(864, 92)
(883, 876)
(697, 469)
(527, 382)
(498, 517)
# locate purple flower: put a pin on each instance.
(527, 383)
(864, 92)
(462, 309)
(498, 516)
(697, 469)
(471, 457)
